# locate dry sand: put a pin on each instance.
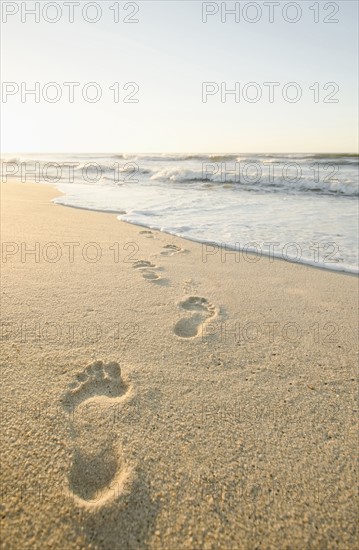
(231, 421)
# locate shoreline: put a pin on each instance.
(211, 243)
(240, 250)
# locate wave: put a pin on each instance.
(337, 172)
(221, 157)
(347, 187)
(180, 157)
(10, 160)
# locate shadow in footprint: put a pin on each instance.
(150, 275)
(153, 277)
(143, 264)
(171, 249)
(89, 475)
(129, 525)
(149, 271)
(147, 234)
(98, 473)
(202, 313)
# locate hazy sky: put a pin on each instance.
(169, 53)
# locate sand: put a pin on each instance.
(155, 400)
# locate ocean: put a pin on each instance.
(299, 207)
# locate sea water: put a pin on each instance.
(302, 208)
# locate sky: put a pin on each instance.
(172, 49)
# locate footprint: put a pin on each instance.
(171, 249)
(189, 286)
(147, 273)
(142, 264)
(202, 312)
(147, 234)
(150, 275)
(154, 277)
(98, 472)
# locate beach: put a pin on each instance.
(163, 394)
